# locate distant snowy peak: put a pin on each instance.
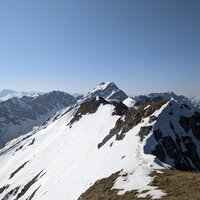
(195, 100)
(106, 90)
(6, 94)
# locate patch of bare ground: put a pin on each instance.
(178, 185)
(102, 189)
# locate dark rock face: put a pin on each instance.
(120, 108)
(191, 123)
(152, 119)
(167, 147)
(144, 131)
(88, 107)
(143, 100)
(19, 115)
(178, 144)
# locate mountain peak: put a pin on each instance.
(104, 85)
(107, 90)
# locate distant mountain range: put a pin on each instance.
(19, 115)
(102, 145)
(6, 94)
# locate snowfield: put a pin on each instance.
(61, 161)
(69, 161)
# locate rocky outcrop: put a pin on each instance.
(92, 106)
(131, 118)
(177, 136)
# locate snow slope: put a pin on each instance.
(129, 102)
(63, 159)
(70, 157)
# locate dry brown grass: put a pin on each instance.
(101, 190)
(178, 185)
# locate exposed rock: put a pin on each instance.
(191, 123)
(144, 131)
(19, 148)
(27, 186)
(120, 108)
(131, 118)
(173, 145)
(88, 107)
(32, 142)
(152, 119)
(159, 153)
(3, 188)
(12, 192)
(18, 169)
(92, 106)
(157, 134)
(33, 194)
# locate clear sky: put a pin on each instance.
(142, 45)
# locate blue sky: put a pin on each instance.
(142, 45)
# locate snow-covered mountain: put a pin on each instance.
(107, 90)
(196, 101)
(8, 94)
(156, 97)
(101, 139)
(19, 115)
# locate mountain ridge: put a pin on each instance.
(84, 161)
(99, 141)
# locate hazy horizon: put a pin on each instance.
(142, 46)
(82, 93)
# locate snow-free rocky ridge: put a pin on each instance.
(101, 139)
